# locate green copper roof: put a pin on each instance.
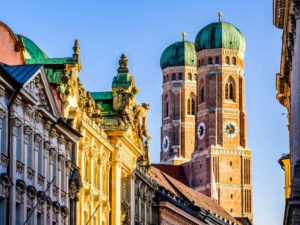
(220, 35)
(180, 53)
(105, 100)
(122, 80)
(32, 51)
(52, 60)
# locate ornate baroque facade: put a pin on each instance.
(286, 16)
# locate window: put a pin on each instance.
(234, 61)
(2, 211)
(199, 63)
(174, 76)
(180, 76)
(29, 151)
(230, 179)
(18, 144)
(39, 219)
(164, 79)
(167, 109)
(190, 76)
(229, 89)
(202, 62)
(18, 216)
(200, 166)
(167, 77)
(217, 60)
(191, 106)
(54, 170)
(202, 94)
(231, 196)
(3, 136)
(230, 163)
(227, 60)
(209, 60)
(40, 157)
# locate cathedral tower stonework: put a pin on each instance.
(220, 163)
(178, 63)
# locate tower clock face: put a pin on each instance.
(201, 130)
(166, 143)
(230, 129)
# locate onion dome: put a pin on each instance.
(220, 35)
(181, 53)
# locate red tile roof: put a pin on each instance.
(175, 171)
(180, 189)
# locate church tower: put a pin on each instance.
(179, 70)
(221, 164)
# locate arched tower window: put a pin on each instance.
(234, 61)
(227, 60)
(190, 76)
(217, 59)
(209, 60)
(229, 89)
(167, 77)
(167, 109)
(201, 92)
(199, 65)
(191, 106)
(174, 76)
(180, 76)
(164, 79)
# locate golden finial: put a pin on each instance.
(183, 35)
(76, 49)
(220, 15)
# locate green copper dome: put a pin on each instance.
(180, 53)
(220, 35)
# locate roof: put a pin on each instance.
(179, 189)
(175, 171)
(220, 35)
(122, 80)
(32, 51)
(181, 53)
(21, 73)
(101, 95)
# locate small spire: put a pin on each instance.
(76, 49)
(220, 15)
(183, 35)
(123, 62)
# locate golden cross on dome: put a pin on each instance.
(183, 35)
(220, 15)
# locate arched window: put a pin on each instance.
(234, 61)
(229, 89)
(202, 94)
(199, 65)
(217, 60)
(190, 76)
(174, 76)
(227, 60)
(164, 79)
(167, 109)
(180, 76)
(209, 60)
(167, 77)
(191, 106)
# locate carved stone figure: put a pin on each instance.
(140, 120)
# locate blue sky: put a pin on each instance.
(142, 29)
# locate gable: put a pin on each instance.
(38, 87)
(11, 52)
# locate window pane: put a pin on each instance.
(3, 135)
(18, 144)
(40, 157)
(2, 212)
(29, 153)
